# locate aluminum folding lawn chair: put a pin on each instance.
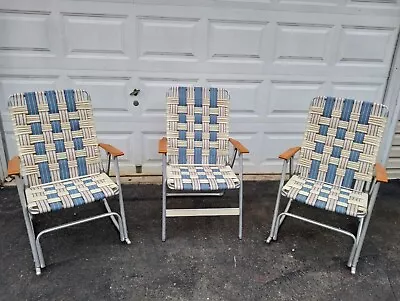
(196, 151)
(337, 169)
(59, 164)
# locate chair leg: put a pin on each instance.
(241, 197)
(121, 202)
(353, 249)
(280, 219)
(278, 199)
(364, 228)
(29, 225)
(164, 200)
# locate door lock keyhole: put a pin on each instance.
(135, 103)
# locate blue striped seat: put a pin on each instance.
(326, 196)
(201, 178)
(70, 193)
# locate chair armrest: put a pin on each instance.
(162, 145)
(111, 149)
(14, 166)
(289, 153)
(380, 173)
(240, 147)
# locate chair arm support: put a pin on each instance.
(289, 153)
(162, 145)
(380, 173)
(115, 152)
(240, 147)
(14, 166)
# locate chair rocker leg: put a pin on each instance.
(28, 225)
(280, 219)
(353, 249)
(276, 210)
(241, 196)
(124, 229)
(164, 200)
(164, 216)
(364, 229)
(36, 252)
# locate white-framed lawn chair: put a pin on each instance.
(196, 151)
(58, 164)
(337, 168)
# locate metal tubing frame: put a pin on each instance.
(164, 198)
(121, 200)
(62, 226)
(358, 240)
(165, 194)
(365, 226)
(28, 223)
(34, 240)
(277, 203)
(314, 223)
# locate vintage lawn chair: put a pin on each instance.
(196, 151)
(337, 169)
(59, 163)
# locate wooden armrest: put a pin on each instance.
(162, 145)
(111, 149)
(14, 166)
(380, 173)
(240, 147)
(289, 153)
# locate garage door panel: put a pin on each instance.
(150, 159)
(247, 103)
(249, 139)
(236, 40)
(370, 91)
(303, 43)
(168, 38)
(152, 97)
(121, 141)
(108, 93)
(22, 42)
(290, 100)
(84, 36)
(276, 143)
(376, 43)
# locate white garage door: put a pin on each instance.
(273, 55)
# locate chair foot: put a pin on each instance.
(353, 270)
(38, 271)
(128, 241)
(268, 240)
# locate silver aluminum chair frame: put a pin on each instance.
(166, 192)
(16, 170)
(372, 188)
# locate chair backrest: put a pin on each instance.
(342, 140)
(197, 125)
(55, 135)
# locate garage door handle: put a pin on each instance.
(135, 92)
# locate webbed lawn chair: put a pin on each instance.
(196, 151)
(59, 164)
(337, 169)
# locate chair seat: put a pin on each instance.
(69, 193)
(326, 196)
(201, 177)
